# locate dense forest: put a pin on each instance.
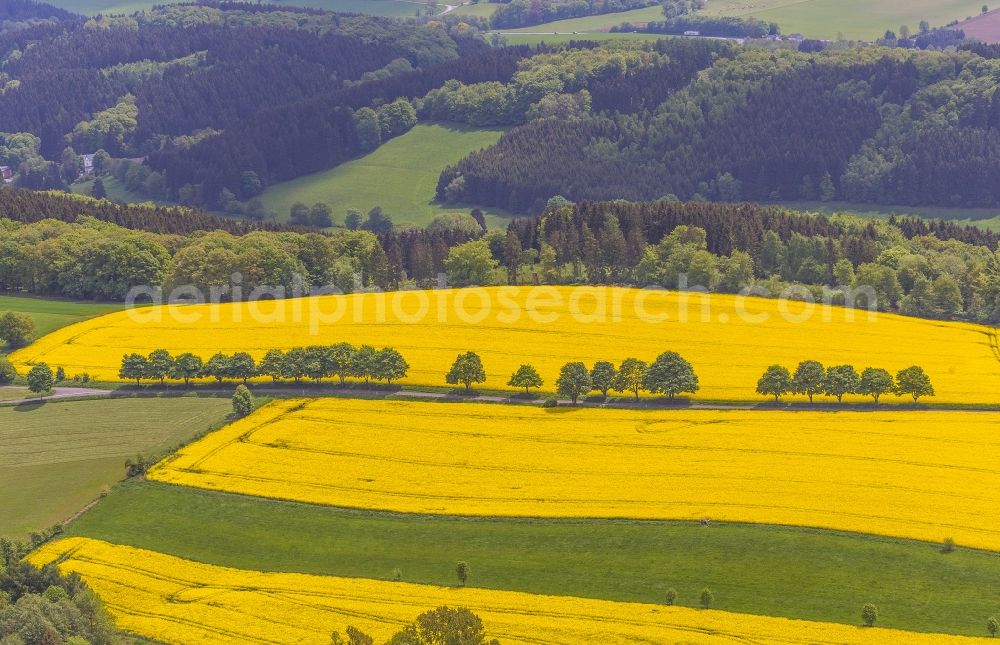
(876, 125)
(215, 102)
(100, 250)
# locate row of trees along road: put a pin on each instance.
(811, 378)
(342, 360)
(668, 375)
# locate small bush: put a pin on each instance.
(550, 402)
(671, 597)
(948, 545)
(869, 615)
(992, 626)
(706, 598)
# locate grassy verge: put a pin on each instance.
(400, 176)
(58, 456)
(780, 571)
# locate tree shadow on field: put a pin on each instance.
(30, 406)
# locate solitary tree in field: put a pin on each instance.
(159, 365)
(603, 376)
(462, 571)
(841, 380)
(671, 596)
(992, 626)
(875, 382)
(670, 375)
(467, 370)
(706, 598)
(574, 381)
(776, 381)
(869, 615)
(272, 364)
(809, 379)
(40, 379)
(134, 366)
(390, 365)
(629, 376)
(16, 328)
(242, 366)
(915, 382)
(526, 376)
(242, 401)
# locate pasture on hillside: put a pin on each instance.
(984, 218)
(174, 600)
(52, 314)
(59, 455)
(900, 474)
(729, 340)
(400, 176)
(791, 572)
(854, 19)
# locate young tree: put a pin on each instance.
(467, 369)
(603, 376)
(462, 571)
(670, 375)
(159, 365)
(7, 372)
(342, 355)
(574, 381)
(60, 375)
(16, 329)
(363, 363)
(706, 597)
(630, 376)
(242, 401)
(353, 219)
(98, 191)
(40, 379)
(526, 376)
(840, 380)
(242, 366)
(915, 382)
(390, 365)
(776, 381)
(272, 364)
(869, 614)
(992, 626)
(134, 366)
(875, 382)
(671, 596)
(809, 379)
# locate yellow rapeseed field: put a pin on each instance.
(177, 601)
(730, 340)
(923, 475)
